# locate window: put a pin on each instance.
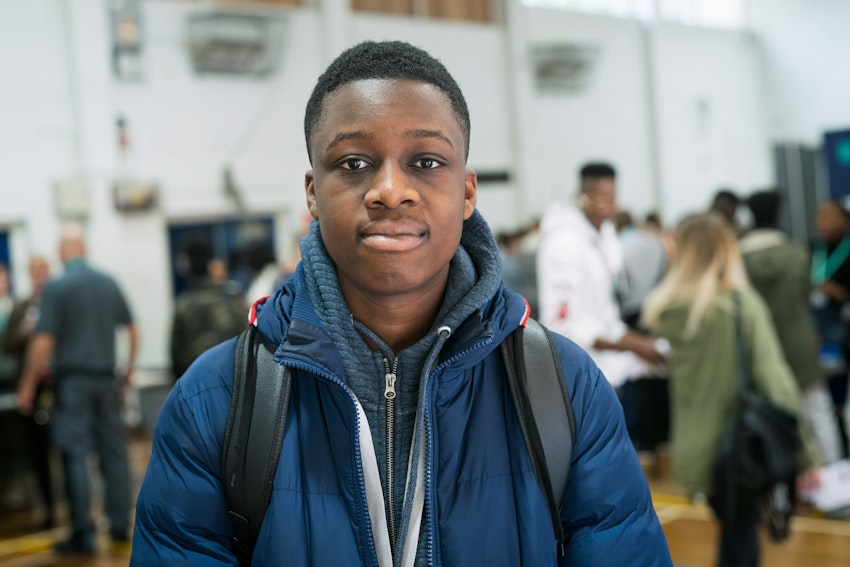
(472, 10)
(729, 14)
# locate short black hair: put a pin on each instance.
(257, 254)
(725, 202)
(764, 205)
(595, 170)
(725, 196)
(384, 60)
(198, 253)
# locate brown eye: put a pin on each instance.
(427, 163)
(353, 163)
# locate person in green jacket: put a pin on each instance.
(693, 308)
(778, 268)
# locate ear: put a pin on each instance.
(310, 188)
(470, 193)
(582, 200)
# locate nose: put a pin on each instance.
(391, 188)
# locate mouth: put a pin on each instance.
(393, 236)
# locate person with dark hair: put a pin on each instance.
(76, 329)
(830, 301)
(726, 202)
(644, 264)
(578, 263)
(401, 445)
(259, 258)
(35, 431)
(206, 313)
(778, 270)
(518, 256)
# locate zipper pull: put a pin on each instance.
(389, 391)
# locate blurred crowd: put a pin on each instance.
(656, 307)
(63, 388)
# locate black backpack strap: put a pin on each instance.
(253, 438)
(545, 412)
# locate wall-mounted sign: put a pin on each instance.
(563, 68)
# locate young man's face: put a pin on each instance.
(831, 222)
(600, 203)
(389, 186)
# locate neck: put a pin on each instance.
(597, 224)
(400, 321)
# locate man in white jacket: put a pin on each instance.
(577, 265)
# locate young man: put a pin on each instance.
(398, 292)
(578, 261)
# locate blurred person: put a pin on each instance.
(35, 428)
(693, 308)
(725, 202)
(652, 222)
(206, 313)
(578, 263)
(401, 445)
(7, 303)
(10, 447)
(217, 270)
(830, 301)
(778, 269)
(80, 312)
(519, 259)
(644, 264)
(260, 260)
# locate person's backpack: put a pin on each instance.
(758, 458)
(255, 425)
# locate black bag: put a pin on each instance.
(759, 455)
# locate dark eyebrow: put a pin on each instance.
(343, 136)
(429, 134)
(361, 134)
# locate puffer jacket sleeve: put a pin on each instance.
(181, 512)
(608, 515)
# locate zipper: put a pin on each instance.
(358, 459)
(389, 393)
(429, 440)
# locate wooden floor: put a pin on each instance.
(691, 533)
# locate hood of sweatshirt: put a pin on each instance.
(765, 255)
(566, 219)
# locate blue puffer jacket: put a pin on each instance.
(483, 505)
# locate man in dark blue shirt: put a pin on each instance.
(79, 315)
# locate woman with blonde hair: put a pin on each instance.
(694, 308)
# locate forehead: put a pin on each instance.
(372, 100)
(830, 210)
(601, 186)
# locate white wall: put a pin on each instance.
(609, 120)
(59, 102)
(185, 129)
(37, 132)
(805, 49)
(710, 122)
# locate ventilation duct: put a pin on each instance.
(563, 68)
(231, 43)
